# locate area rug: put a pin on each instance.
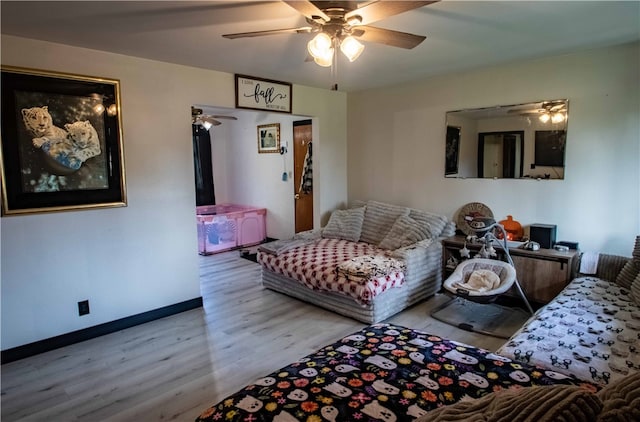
(247, 254)
(253, 257)
(486, 318)
(251, 253)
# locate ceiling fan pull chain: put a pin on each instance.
(334, 66)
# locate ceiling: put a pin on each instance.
(461, 35)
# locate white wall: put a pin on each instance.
(397, 140)
(142, 257)
(243, 176)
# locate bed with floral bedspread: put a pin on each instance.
(380, 373)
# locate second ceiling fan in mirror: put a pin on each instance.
(207, 120)
(554, 111)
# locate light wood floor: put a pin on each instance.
(174, 368)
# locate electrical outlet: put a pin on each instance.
(83, 307)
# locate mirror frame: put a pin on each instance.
(541, 139)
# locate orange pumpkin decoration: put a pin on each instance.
(513, 228)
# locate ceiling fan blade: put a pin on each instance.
(301, 30)
(389, 37)
(308, 10)
(201, 120)
(224, 117)
(557, 107)
(378, 10)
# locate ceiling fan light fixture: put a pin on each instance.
(207, 125)
(557, 118)
(324, 61)
(320, 46)
(351, 48)
(336, 22)
(544, 117)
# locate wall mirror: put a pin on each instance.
(518, 141)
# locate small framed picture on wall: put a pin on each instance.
(269, 138)
(452, 150)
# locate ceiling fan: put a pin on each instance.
(556, 111)
(208, 121)
(543, 107)
(341, 24)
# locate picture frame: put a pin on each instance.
(452, 151)
(269, 138)
(550, 148)
(61, 144)
(263, 94)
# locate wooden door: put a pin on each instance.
(509, 156)
(302, 148)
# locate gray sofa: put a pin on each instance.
(591, 329)
(409, 235)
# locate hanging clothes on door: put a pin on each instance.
(306, 181)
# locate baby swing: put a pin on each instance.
(480, 280)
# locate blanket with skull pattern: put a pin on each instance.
(380, 373)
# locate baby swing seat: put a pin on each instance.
(481, 280)
(477, 283)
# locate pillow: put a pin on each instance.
(631, 268)
(436, 223)
(628, 273)
(404, 232)
(449, 229)
(621, 400)
(541, 404)
(357, 203)
(635, 290)
(345, 224)
(378, 219)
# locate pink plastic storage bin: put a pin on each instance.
(228, 226)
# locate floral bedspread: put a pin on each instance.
(316, 266)
(381, 373)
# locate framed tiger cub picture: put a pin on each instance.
(61, 142)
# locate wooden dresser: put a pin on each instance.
(542, 273)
